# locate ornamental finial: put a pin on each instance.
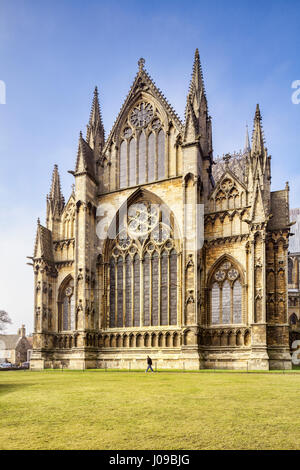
(226, 159)
(141, 63)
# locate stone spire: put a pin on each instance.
(197, 83)
(55, 199)
(258, 143)
(95, 130)
(197, 120)
(247, 148)
(259, 174)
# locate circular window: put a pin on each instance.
(142, 218)
(141, 114)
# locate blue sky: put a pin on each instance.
(53, 53)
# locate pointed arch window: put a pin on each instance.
(226, 295)
(164, 288)
(128, 293)
(215, 304)
(142, 158)
(161, 155)
(120, 291)
(132, 162)
(142, 151)
(143, 271)
(66, 306)
(123, 164)
(226, 302)
(136, 290)
(112, 297)
(151, 157)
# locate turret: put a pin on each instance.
(95, 130)
(259, 165)
(198, 122)
(55, 203)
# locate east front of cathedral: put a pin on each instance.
(161, 250)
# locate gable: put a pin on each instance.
(143, 90)
(228, 193)
(69, 207)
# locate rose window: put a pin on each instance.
(142, 218)
(141, 114)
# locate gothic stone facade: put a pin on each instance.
(125, 267)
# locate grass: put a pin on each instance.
(132, 410)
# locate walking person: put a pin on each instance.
(149, 364)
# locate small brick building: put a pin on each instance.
(15, 348)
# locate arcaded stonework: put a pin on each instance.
(161, 250)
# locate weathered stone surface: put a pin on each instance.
(113, 285)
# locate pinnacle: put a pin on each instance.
(55, 196)
(95, 129)
(258, 134)
(197, 82)
(141, 63)
(247, 142)
(257, 113)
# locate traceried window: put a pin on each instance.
(143, 270)
(142, 149)
(123, 164)
(67, 307)
(226, 295)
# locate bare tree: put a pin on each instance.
(4, 320)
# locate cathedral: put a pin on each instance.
(161, 249)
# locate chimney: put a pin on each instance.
(22, 331)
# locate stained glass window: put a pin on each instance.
(152, 293)
(151, 157)
(128, 294)
(237, 302)
(123, 164)
(120, 292)
(146, 289)
(136, 298)
(142, 158)
(112, 297)
(173, 287)
(226, 296)
(66, 313)
(226, 302)
(164, 289)
(132, 163)
(155, 289)
(161, 154)
(215, 304)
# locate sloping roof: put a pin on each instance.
(294, 241)
(43, 245)
(236, 164)
(85, 158)
(10, 341)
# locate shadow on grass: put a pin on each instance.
(12, 387)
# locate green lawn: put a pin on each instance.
(132, 410)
